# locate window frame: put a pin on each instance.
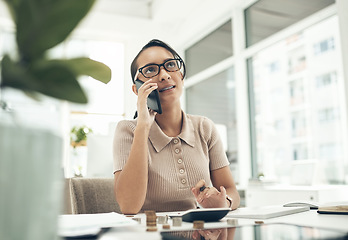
(247, 162)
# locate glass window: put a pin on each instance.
(326, 79)
(215, 98)
(267, 17)
(212, 49)
(300, 107)
(324, 46)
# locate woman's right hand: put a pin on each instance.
(211, 234)
(145, 115)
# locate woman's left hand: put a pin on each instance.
(210, 197)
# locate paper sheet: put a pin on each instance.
(90, 224)
(265, 212)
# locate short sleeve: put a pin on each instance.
(123, 139)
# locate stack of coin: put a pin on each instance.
(198, 224)
(162, 219)
(151, 218)
(177, 221)
(231, 221)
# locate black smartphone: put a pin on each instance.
(153, 101)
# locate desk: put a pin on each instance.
(281, 194)
(309, 218)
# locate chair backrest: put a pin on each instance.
(92, 195)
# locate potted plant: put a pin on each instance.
(78, 142)
(78, 136)
(31, 159)
(41, 25)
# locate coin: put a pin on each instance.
(177, 221)
(166, 226)
(198, 224)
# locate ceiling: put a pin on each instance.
(129, 8)
(165, 19)
(181, 21)
(127, 20)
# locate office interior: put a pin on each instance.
(272, 75)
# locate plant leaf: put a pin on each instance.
(32, 94)
(86, 66)
(15, 76)
(12, 5)
(59, 82)
(42, 24)
(54, 80)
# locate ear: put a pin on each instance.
(134, 89)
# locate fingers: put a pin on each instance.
(223, 191)
(210, 234)
(152, 112)
(195, 235)
(144, 114)
(209, 196)
(148, 87)
(210, 192)
(196, 189)
(200, 185)
(206, 194)
(144, 91)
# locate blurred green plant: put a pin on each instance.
(41, 25)
(78, 135)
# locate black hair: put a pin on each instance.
(155, 43)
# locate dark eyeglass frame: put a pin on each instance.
(160, 65)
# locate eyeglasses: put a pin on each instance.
(170, 65)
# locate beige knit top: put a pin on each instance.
(176, 164)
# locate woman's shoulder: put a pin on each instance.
(204, 125)
(200, 120)
(126, 124)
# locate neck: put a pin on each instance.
(170, 121)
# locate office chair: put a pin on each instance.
(92, 195)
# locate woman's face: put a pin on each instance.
(170, 84)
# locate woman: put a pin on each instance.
(169, 161)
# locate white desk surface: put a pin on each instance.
(309, 218)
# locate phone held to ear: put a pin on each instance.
(153, 101)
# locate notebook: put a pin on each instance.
(265, 212)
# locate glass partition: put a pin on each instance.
(299, 104)
(214, 98)
(210, 50)
(267, 17)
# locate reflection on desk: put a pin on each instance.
(258, 232)
(309, 218)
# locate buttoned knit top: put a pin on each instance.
(175, 164)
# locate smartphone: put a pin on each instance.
(153, 101)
